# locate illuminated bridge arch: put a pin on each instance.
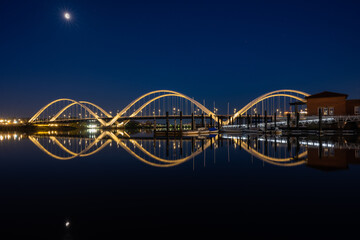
(67, 104)
(152, 102)
(279, 97)
(154, 96)
(131, 110)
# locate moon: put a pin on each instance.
(67, 16)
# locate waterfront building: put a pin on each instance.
(332, 104)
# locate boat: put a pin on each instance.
(231, 128)
(213, 130)
(207, 130)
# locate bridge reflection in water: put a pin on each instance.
(169, 151)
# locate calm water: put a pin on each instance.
(85, 184)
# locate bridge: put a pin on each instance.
(166, 104)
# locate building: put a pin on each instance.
(332, 103)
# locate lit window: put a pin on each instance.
(331, 111)
(325, 111)
(357, 110)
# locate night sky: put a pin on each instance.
(110, 52)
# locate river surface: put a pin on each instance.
(92, 183)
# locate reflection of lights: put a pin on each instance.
(92, 130)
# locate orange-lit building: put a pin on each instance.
(332, 103)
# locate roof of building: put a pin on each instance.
(327, 94)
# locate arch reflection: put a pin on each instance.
(166, 151)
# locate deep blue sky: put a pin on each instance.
(114, 51)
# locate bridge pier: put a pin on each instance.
(154, 125)
(248, 121)
(167, 121)
(265, 121)
(174, 124)
(203, 120)
(288, 121)
(181, 126)
(297, 119)
(192, 122)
